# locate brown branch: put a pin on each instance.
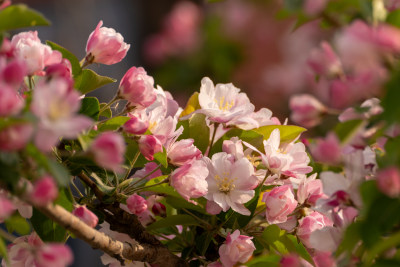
(133, 251)
(92, 185)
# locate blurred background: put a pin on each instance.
(246, 42)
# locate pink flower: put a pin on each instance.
(86, 216)
(371, 105)
(324, 61)
(293, 260)
(280, 203)
(15, 137)
(392, 4)
(105, 46)
(36, 55)
(306, 110)
(324, 259)
(136, 204)
(10, 102)
(5, 4)
(44, 191)
(136, 125)
(388, 181)
(327, 150)
(223, 102)
(310, 190)
(148, 168)
(56, 106)
(31, 251)
(137, 87)
(190, 179)
(109, 149)
(309, 224)
(237, 248)
(150, 145)
(6, 208)
(13, 73)
(182, 152)
(230, 182)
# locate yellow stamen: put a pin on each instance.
(224, 183)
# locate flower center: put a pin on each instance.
(225, 183)
(152, 125)
(255, 161)
(224, 105)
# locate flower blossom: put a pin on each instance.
(306, 110)
(86, 216)
(237, 248)
(388, 181)
(108, 150)
(136, 204)
(230, 183)
(309, 224)
(183, 151)
(105, 46)
(44, 191)
(280, 203)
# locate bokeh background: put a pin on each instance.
(246, 42)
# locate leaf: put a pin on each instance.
(192, 105)
(199, 131)
(161, 157)
(105, 113)
(164, 188)
(113, 124)
(59, 172)
(65, 199)
(173, 220)
(203, 242)
(3, 250)
(265, 260)
(107, 190)
(181, 203)
(350, 239)
(345, 131)
(271, 233)
(47, 230)
(394, 18)
(76, 67)
(17, 223)
(299, 248)
(288, 132)
(90, 107)
(20, 16)
(89, 80)
(10, 167)
(391, 107)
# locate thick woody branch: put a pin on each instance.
(122, 251)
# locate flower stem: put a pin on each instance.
(216, 125)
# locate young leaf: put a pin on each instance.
(161, 157)
(288, 132)
(199, 131)
(20, 16)
(173, 220)
(47, 230)
(3, 250)
(113, 124)
(105, 113)
(17, 223)
(89, 80)
(90, 107)
(192, 105)
(76, 68)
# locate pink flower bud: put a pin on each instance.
(136, 126)
(327, 150)
(388, 181)
(280, 203)
(150, 145)
(137, 87)
(44, 191)
(10, 102)
(306, 110)
(190, 179)
(136, 204)
(5, 4)
(15, 137)
(324, 259)
(86, 216)
(323, 61)
(159, 209)
(309, 224)
(14, 73)
(61, 70)
(237, 248)
(6, 208)
(108, 150)
(54, 255)
(106, 46)
(182, 152)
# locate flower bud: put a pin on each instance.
(44, 191)
(86, 216)
(15, 137)
(389, 181)
(306, 110)
(136, 126)
(136, 204)
(10, 102)
(237, 248)
(280, 203)
(150, 145)
(182, 152)
(108, 150)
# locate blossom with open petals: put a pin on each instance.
(237, 248)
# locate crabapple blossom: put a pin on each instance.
(223, 102)
(373, 108)
(37, 56)
(254, 120)
(327, 150)
(86, 216)
(149, 145)
(44, 191)
(230, 182)
(306, 110)
(105, 46)
(5, 4)
(388, 181)
(31, 251)
(108, 149)
(309, 190)
(148, 168)
(56, 105)
(237, 248)
(11, 103)
(324, 61)
(137, 87)
(6, 208)
(309, 224)
(183, 151)
(15, 137)
(135, 125)
(190, 179)
(280, 202)
(13, 72)
(136, 204)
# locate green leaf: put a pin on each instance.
(172, 221)
(288, 132)
(164, 188)
(76, 68)
(394, 18)
(271, 233)
(65, 199)
(199, 131)
(10, 167)
(265, 260)
(299, 248)
(59, 172)
(113, 124)
(345, 131)
(161, 157)
(89, 80)
(47, 230)
(107, 190)
(350, 239)
(90, 107)
(181, 203)
(391, 107)
(250, 137)
(105, 113)
(203, 242)
(17, 223)
(20, 16)
(3, 250)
